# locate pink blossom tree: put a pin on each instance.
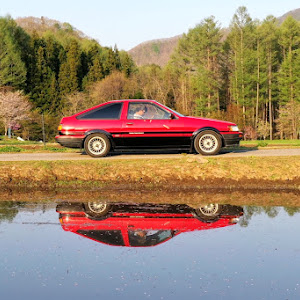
(14, 107)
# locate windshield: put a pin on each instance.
(175, 112)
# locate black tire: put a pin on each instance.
(208, 213)
(97, 209)
(97, 145)
(208, 142)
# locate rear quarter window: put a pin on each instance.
(107, 112)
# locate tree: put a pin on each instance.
(288, 121)
(69, 75)
(152, 84)
(127, 64)
(115, 86)
(12, 68)
(44, 92)
(197, 60)
(268, 34)
(96, 70)
(242, 54)
(8, 211)
(14, 107)
(289, 80)
(75, 103)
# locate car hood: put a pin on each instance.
(210, 120)
(218, 124)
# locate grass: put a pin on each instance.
(271, 143)
(12, 145)
(54, 149)
(11, 149)
(13, 141)
(254, 172)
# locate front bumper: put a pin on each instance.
(232, 139)
(70, 141)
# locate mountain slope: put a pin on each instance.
(154, 51)
(294, 13)
(43, 26)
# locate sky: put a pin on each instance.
(127, 23)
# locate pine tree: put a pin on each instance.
(242, 53)
(288, 77)
(197, 58)
(12, 68)
(69, 79)
(109, 61)
(41, 93)
(127, 64)
(96, 70)
(268, 33)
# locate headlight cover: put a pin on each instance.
(233, 128)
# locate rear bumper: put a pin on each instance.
(67, 207)
(232, 139)
(70, 141)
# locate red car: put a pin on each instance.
(137, 124)
(142, 225)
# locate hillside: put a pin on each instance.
(159, 51)
(154, 51)
(43, 25)
(294, 13)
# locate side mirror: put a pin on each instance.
(172, 116)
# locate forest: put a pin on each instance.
(248, 73)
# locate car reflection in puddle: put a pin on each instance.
(142, 225)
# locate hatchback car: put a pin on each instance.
(142, 224)
(143, 124)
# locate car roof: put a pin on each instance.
(133, 100)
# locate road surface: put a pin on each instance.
(79, 156)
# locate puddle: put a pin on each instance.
(147, 250)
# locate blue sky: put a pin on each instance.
(129, 22)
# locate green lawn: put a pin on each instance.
(265, 143)
(13, 141)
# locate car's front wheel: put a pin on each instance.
(97, 145)
(208, 142)
(209, 212)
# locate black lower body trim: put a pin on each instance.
(155, 142)
(231, 139)
(70, 142)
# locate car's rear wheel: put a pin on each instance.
(97, 145)
(97, 209)
(209, 212)
(208, 142)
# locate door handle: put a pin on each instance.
(129, 123)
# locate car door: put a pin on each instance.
(157, 127)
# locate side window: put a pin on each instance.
(110, 111)
(146, 111)
(144, 238)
